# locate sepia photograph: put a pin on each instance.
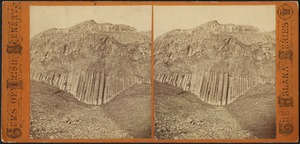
(90, 72)
(215, 72)
(150, 72)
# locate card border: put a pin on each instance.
(16, 72)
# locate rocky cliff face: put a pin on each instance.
(92, 61)
(216, 62)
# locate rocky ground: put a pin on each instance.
(181, 115)
(58, 115)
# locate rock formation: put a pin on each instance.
(216, 62)
(92, 61)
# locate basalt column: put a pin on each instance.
(213, 87)
(89, 87)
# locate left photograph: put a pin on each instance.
(90, 72)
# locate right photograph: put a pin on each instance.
(214, 72)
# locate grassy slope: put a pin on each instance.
(256, 111)
(131, 110)
(57, 115)
(181, 115)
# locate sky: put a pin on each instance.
(46, 17)
(167, 18)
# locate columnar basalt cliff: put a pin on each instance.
(217, 88)
(88, 87)
(92, 61)
(216, 62)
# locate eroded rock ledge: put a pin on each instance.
(92, 61)
(217, 62)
